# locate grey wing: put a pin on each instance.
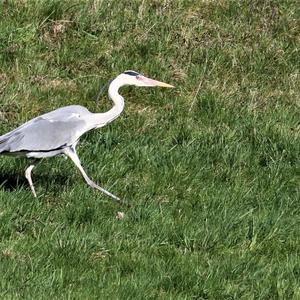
(51, 131)
(7, 140)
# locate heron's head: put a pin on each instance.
(134, 78)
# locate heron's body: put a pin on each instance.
(58, 131)
(49, 134)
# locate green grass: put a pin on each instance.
(211, 167)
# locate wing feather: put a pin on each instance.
(51, 131)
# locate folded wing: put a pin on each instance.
(44, 133)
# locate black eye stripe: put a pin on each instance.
(131, 73)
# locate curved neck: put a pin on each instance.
(117, 99)
(101, 119)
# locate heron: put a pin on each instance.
(58, 132)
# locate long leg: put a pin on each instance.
(71, 153)
(28, 177)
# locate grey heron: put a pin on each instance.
(58, 132)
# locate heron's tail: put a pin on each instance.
(3, 143)
(7, 141)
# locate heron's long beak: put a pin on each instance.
(152, 82)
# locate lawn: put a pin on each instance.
(211, 168)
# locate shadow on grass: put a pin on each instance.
(13, 181)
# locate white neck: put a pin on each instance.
(101, 119)
(117, 99)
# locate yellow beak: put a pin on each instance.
(151, 82)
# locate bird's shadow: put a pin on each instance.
(13, 181)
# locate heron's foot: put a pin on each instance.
(115, 198)
(33, 191)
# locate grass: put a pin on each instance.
(211, 167)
